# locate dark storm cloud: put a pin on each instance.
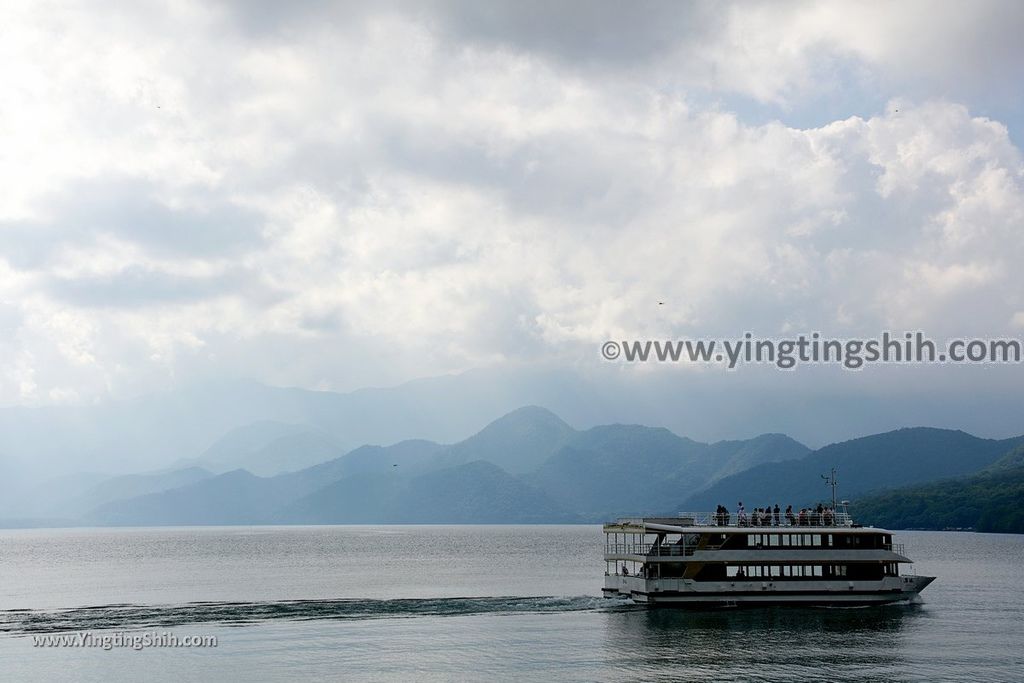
(599, 32)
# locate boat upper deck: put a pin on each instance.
(729, 522)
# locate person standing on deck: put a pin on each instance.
(775, 516)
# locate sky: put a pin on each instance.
(337, 195)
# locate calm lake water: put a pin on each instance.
(468, 603)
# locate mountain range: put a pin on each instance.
(991, 500)
(527, 466)
(868, 464)
(181, 425)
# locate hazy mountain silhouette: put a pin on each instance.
(232, 450)
(736, 456)
(244, 498)
(291, 453)
(871, 463)
(53, 497)
(575, 475)
(133, 485)
(531, 466)
(472, 493)
(403, 458)
(236, 497)
(517, 442)
(619, 469)
(155, 432)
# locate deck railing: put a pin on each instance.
(649, 549)
(747, 519)
(685, 550)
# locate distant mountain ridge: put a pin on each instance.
(50, 454)
(477, 492)
(872, 463)
(531, 466)
(266, 448)
(1011, 460)
(616, 469)
(528, 465)
(518, 442)
(991, 501)
(133, 485)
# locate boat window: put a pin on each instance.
(816, 539)
(762, 540)
(774, 540)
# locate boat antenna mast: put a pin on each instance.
(830, 480)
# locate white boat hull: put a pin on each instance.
(754, 592)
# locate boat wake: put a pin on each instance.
(127, 616)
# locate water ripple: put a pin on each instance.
(127, 616)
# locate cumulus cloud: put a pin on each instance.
(334, 195)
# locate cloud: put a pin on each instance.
(138, 287)
(336, 195)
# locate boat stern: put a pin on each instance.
(618, 586)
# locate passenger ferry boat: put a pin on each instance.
(719, 559)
